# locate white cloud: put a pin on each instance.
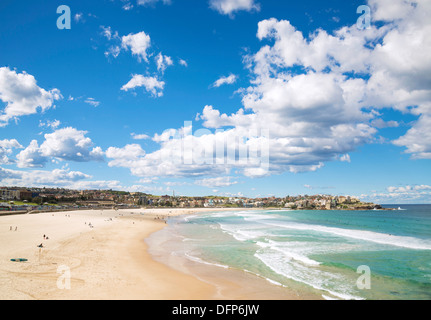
(97, 185)
(66, 144)
(113, 51)
(31, 157)
(417, 140)
(54, 124)
(40, 178)
(129, 153)
(148, 180)
(163, 62)
(127, 6)
(228, 7)
(138, 43)
(402, 194)
(216, 182)
(6, 148)
(108, 33)
(380, 123)
(22, 96)
(140, 136)
(183, 62)
(70, 144)
(151, 2)
(316, 94)
(183, 153)
(225, 80)
(64, 178)
(151, 84)
(345, 158)
(93, 102)
(78, 17)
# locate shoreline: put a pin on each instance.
(230, 283)
(107, 257)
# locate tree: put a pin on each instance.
(37, 200)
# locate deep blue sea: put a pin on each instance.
(374, 254)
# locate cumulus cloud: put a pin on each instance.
(228, 7)
(40, 178)
(151, 84)
(67, 144)
(184, 153)
(417, 140)
(22, 95)
(31, 157)
(63, 178)
(124, 156)
(317, 95)
(6, 148)
(70, 144)
(138, 44)
(310, 90)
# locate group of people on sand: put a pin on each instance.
(160, 218)
(16, 228)
(45, 237)
(89, 224)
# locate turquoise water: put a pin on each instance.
(322, 251)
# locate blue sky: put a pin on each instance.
(339, 108)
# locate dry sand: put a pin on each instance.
(106, 256)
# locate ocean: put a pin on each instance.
(375, 254)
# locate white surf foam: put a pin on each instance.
(315, 278)
(290, 253)
(381, 238)
(199, 260)
(240, 233)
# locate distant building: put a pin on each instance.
(341, 199)
(8, 194)
(290, 205)
(25, 195)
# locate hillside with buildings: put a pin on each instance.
(33, 198)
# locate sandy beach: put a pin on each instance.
(102, 254)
